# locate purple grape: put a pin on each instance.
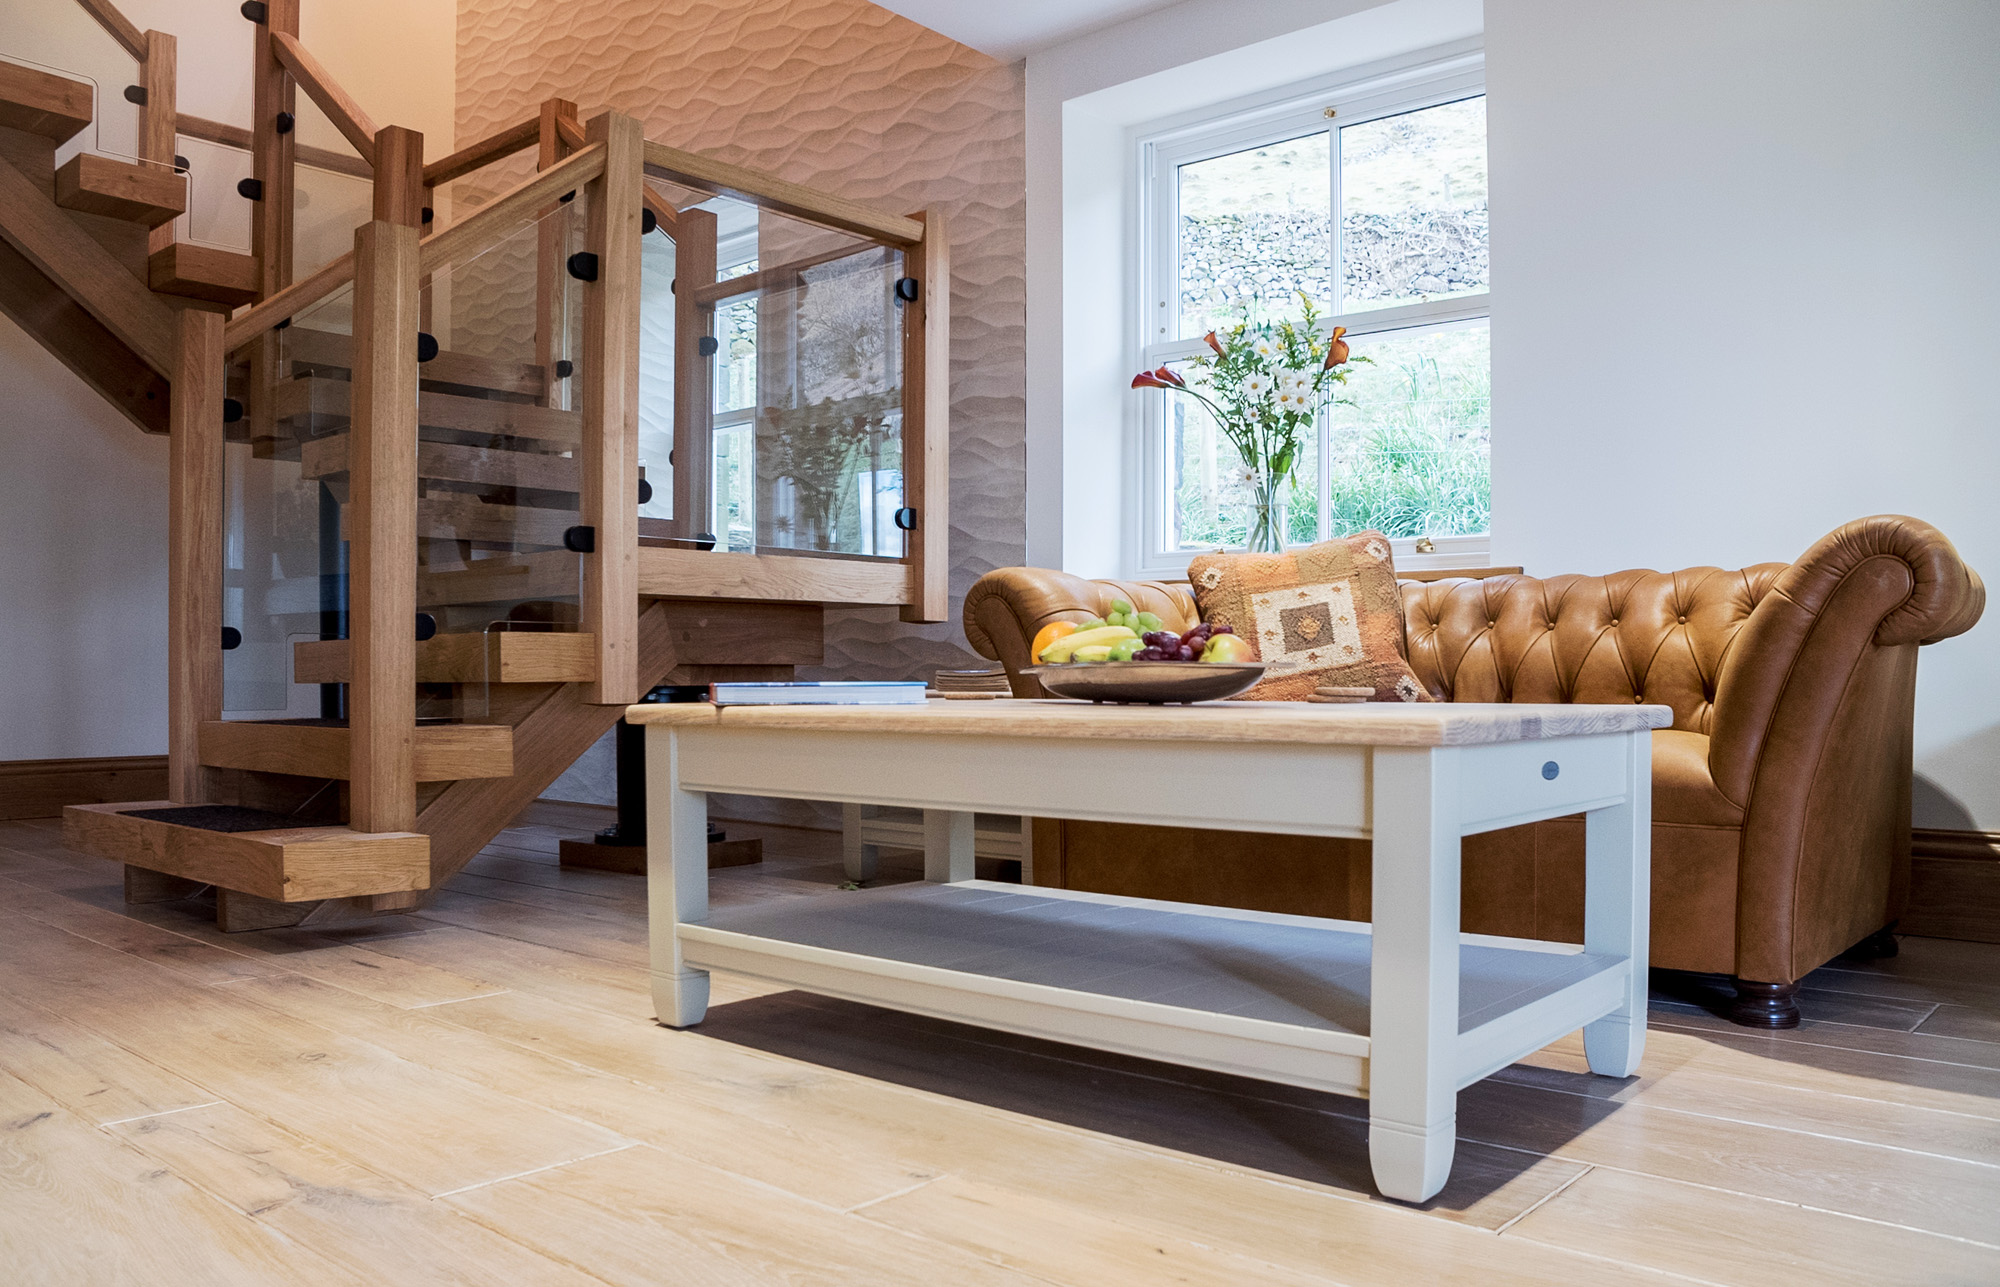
(1187, 653)
(1222, 630)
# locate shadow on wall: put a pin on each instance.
(1934, 807)
(1949, 776)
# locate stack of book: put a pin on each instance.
(819, 693)
(971, 684)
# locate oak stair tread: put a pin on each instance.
(495, 657)
(321, 749)
(323, 348)
(290, 865)
(320, 404)
(202, 272)
(327, 457)
(142, 194)
(54, 107)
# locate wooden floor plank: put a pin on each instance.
(1749, 1242)
(430, 1130)
(1862, 1118)
(634, 1213)
(96, 1079)
(1056, 1242)
(383, 1231)
(1940, 1195)
(499, 1049)
(77, 1207)
(197, 961)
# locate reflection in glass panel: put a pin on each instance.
(1409, 437)
(1413, 206)
(1254, 233)
(656, 372)
(824, 350)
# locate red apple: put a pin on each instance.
(1228, 648)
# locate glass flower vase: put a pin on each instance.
(1266, 533)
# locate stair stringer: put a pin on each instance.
(82, 343)
(462, 820)
(43, 233)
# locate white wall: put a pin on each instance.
(83, 582)
(83, 579)
(1746, 286)
(1084, 98)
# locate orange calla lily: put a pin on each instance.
(1214, 343)
(1336, 349)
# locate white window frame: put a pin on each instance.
(1428, 79)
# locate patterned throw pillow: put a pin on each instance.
(1325, 614)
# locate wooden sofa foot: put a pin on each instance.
(1879, 946)
(1765, 1005)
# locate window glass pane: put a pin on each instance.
(1413, 206)
(1409, 438)
(1211, 500)
(1254, 231)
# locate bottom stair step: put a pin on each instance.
(287, 864)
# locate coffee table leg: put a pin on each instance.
(856, 856)
(1413, 1010)
(1617, 897)
(947, 846)
(676, 879)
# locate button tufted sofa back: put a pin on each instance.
(1657, 637)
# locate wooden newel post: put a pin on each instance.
(194, 548)
(382, 526)
(927, 420)
(608, 371)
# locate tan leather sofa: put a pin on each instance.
(1781, 795)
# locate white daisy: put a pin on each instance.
(1246, 475)
(1264, 346)
(1297, 383)
(1256, 386)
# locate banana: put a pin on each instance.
(1062, 649)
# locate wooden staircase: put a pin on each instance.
(531, 638)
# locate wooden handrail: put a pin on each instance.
(340, 108)
(122, 29)
(780, 195)
(481, 154)
(498, 218)
(473, 233)
(319, 158)
(772, 278)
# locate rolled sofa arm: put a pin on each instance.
(1007, 607)
(1811, 732)
(1886, 581)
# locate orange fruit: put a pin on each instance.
(1049, 634)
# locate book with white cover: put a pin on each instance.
(832, 692)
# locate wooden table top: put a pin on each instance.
(1324, 724)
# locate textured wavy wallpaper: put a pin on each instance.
(854, 100)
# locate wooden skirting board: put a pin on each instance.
(43, 788)
(1954, 885)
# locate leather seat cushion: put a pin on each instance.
(1684, 791)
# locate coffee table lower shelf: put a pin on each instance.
(1282, 998)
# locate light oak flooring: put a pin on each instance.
(478, 1094)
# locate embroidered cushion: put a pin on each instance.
(1328, 614)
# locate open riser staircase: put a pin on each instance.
(409, 580)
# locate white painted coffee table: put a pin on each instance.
(1406, 1011)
